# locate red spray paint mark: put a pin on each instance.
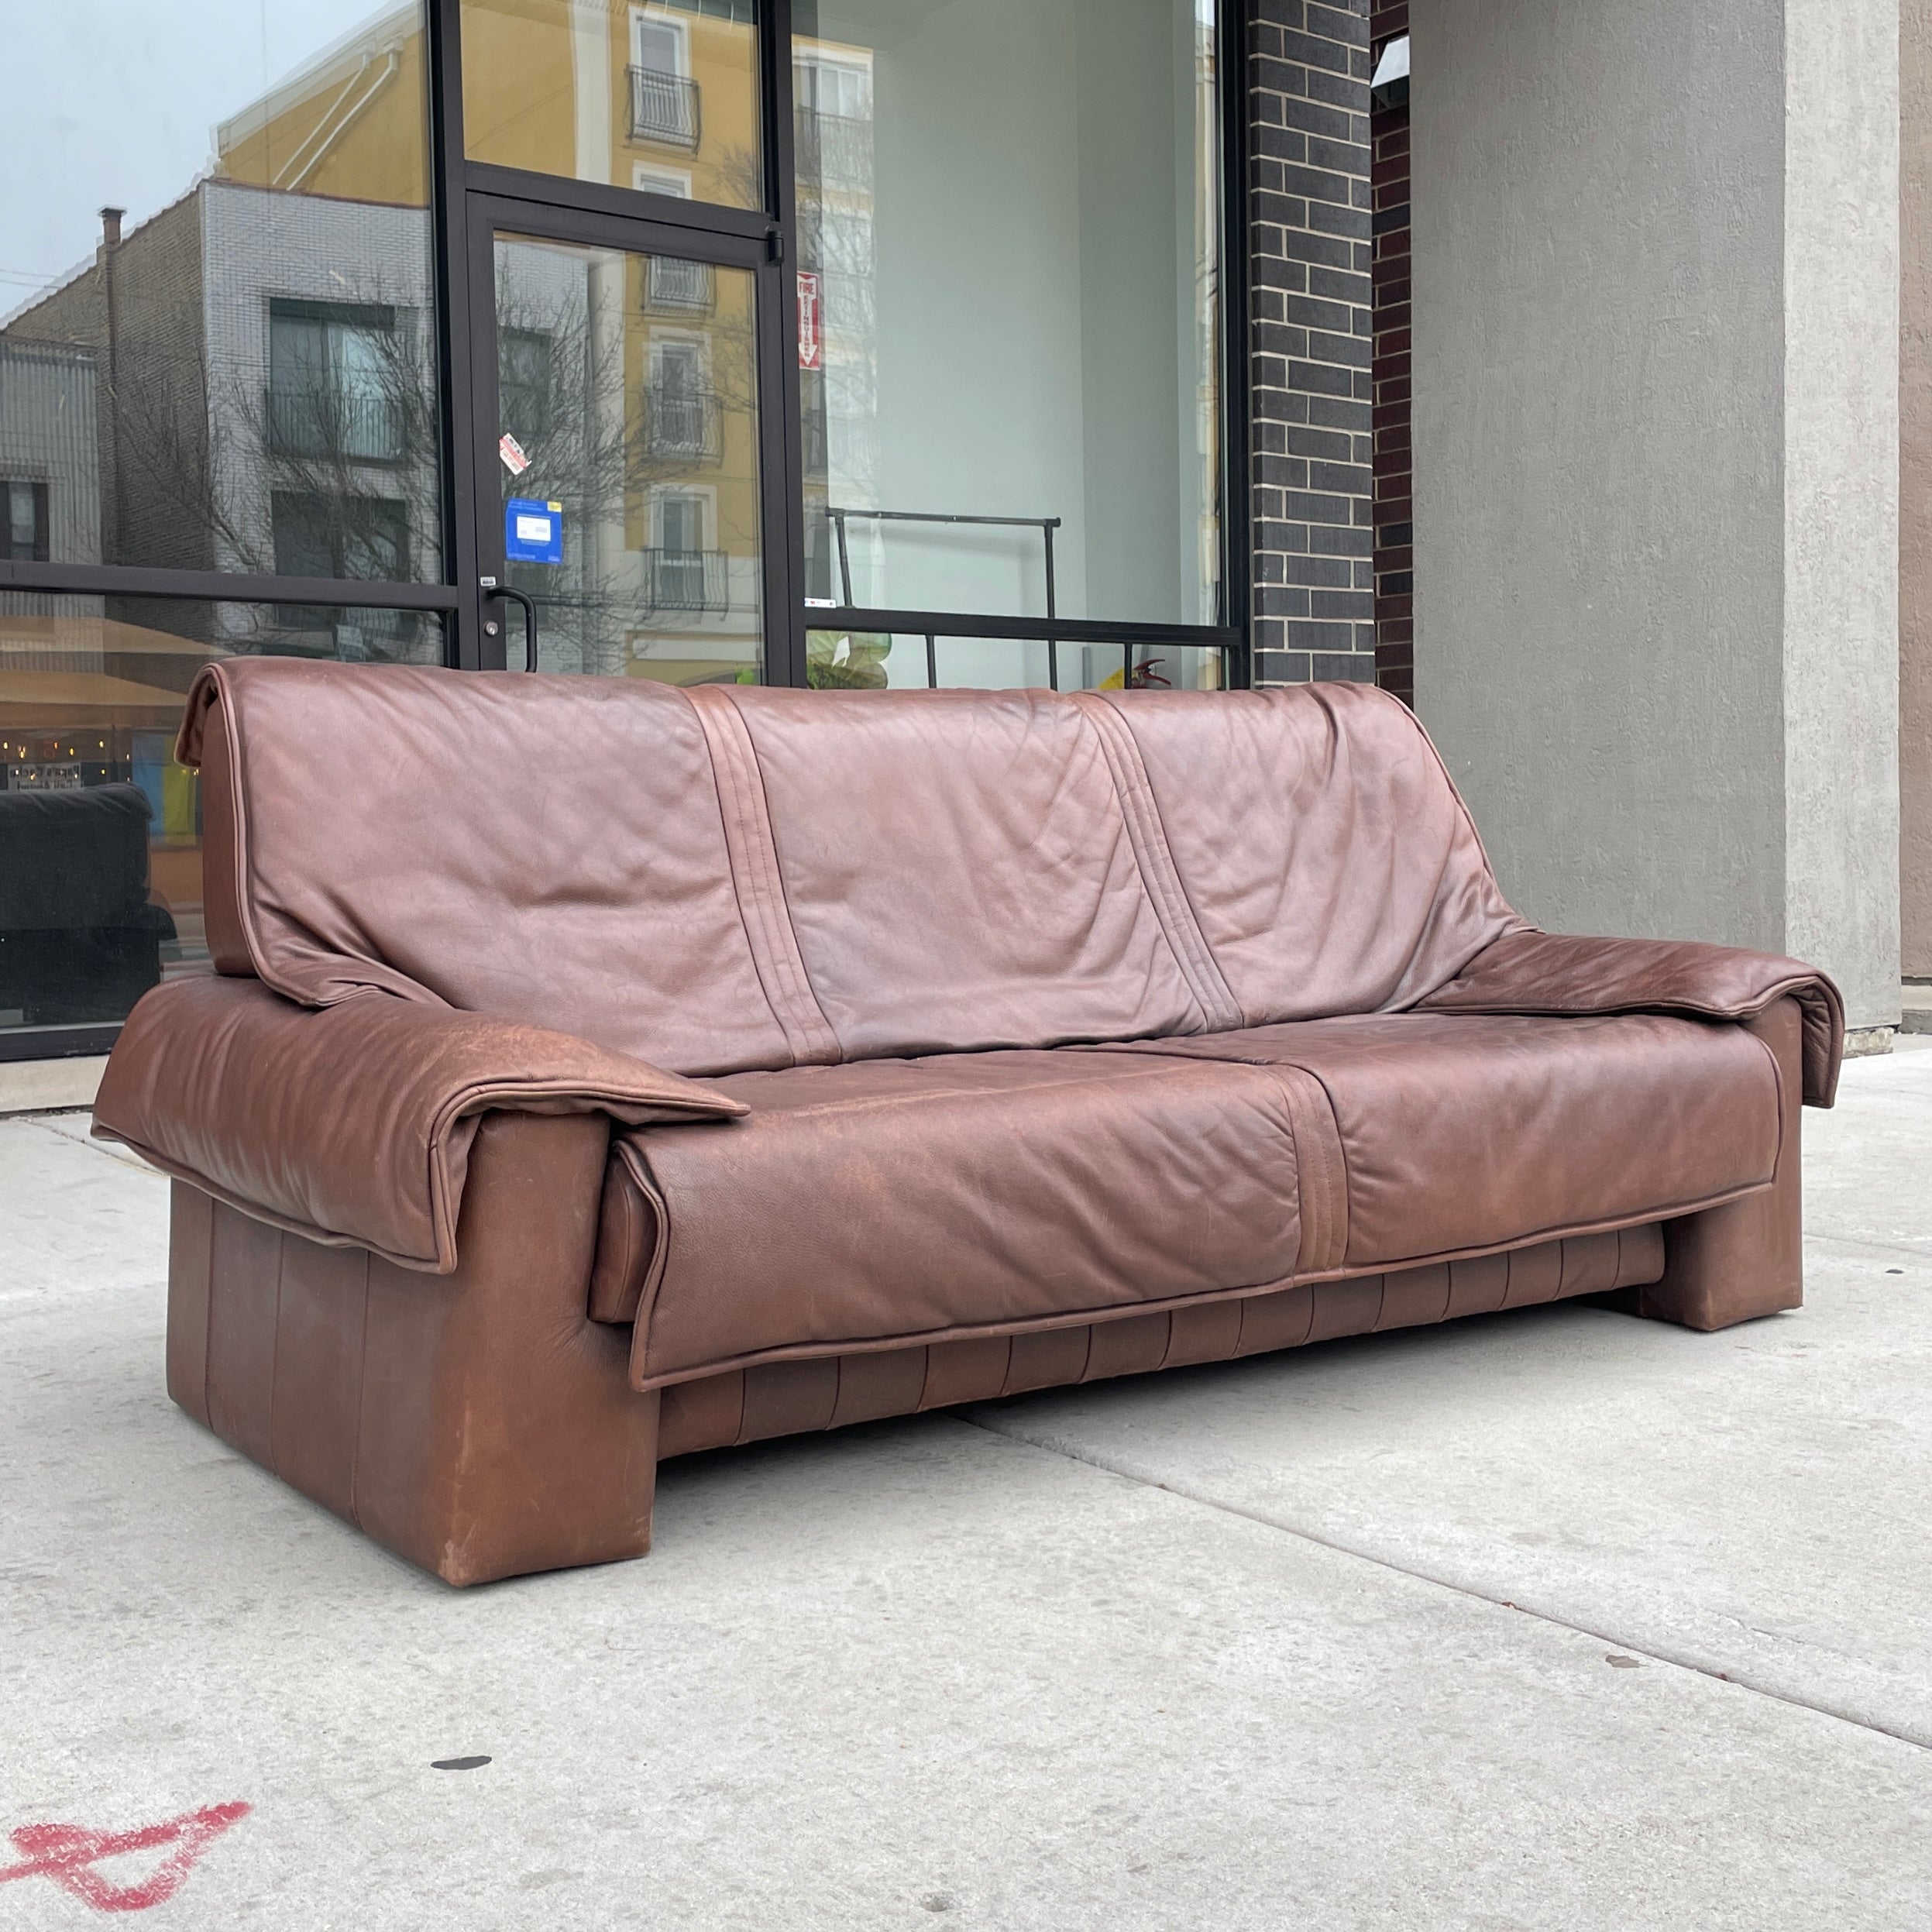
(67, 1853)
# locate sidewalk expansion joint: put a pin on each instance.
(1054, 1446)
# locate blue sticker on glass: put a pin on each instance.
(532, 531)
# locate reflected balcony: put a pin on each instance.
(683, 424)
(664, 108)
(833, 150)
(324, 424)
(698, 581)
(673, 286)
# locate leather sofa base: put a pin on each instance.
(482, 1425)
(789, 1398)
(479, 1424)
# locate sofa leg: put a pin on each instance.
(479, 1424)
(1734, 1262)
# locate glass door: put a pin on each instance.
(622, 439)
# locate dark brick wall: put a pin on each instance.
(1311, 264)
(1394, 536)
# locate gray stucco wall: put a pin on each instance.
(1915, 475)
(1841, 496)
(1653, 667)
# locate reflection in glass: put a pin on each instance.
(838, 660)
(100, 828)
(656, 94)
(629, 459)
(1009, 230)
(215, 251)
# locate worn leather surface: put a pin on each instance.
(1328, 862)
(547, 850)
(780, 1398)
(1464, 1131)
(1746, 1259)
(887, 1199)
(893, 1200)
(1532, 972)
(1261, 1056)
(738, 880)
(480, 1424)
(353, 1124)
(959, 872)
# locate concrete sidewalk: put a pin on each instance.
(1554, 1619)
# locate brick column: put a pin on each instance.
(1311, 253)
(1395, 461)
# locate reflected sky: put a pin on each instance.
(116, 104)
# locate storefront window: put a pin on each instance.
(214, 253)
(273, 333)
(1009, 221)
(100, 828)
(628, 433)
(661, 95)
(842, 660)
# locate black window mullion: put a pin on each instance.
(606, 198)
(455, 296)
(1231, 102)
(222, 586)
(785, 482)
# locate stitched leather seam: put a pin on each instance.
(362, 1394)
(1321, 1172)
(1074, 1318)
(753, 851)
(1159, 875)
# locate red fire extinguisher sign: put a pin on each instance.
(811, 320)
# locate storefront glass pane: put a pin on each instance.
(1010, 292)
(628, 441)
(100, 828)
(216, 351)
(656, 94)
(840, 660)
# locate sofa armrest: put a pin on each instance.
(352, 1125)
(1551, 973)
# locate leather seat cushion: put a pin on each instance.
(1460, 1132)
(884, 1201)
(890, 1202)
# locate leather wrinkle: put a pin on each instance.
(752, 849)
(1147, 835)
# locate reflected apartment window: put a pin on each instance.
(23, 522)
(664, 105)
(337, 375)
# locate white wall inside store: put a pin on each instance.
(1034, 212)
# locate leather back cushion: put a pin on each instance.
(734, 879)
(1330, 863)
(959, 873)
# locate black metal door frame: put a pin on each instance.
(457, 598)
(473, 200)
(489, 214)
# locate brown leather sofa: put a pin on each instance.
(598, 1071)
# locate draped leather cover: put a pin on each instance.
(733, 882)
(351, 1124)
(862, 1204)
(891, 1202)
(547, 850)
(1330, 864)
(1532, 972)
(1459, 1132)
(729, 879)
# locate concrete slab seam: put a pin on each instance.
(1054, 1446)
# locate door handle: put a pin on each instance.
(491, 588)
